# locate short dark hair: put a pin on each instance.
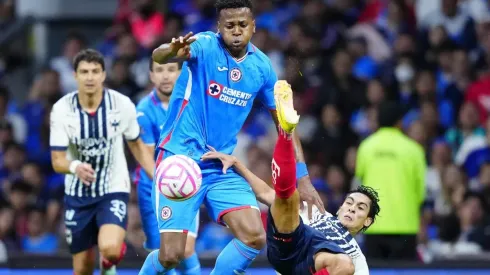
(180, 63)
(373, 196)
(232, 4)
(390, 113)
(90, 56)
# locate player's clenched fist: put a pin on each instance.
(180, 46)
(85, 173)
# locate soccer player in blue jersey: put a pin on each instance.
(322, 245)
(208, 108)
(152, 112)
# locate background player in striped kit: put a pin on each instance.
(301, 246)
(152, 113)
(87, 133)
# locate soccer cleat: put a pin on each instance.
(286, 114)
(105, 270)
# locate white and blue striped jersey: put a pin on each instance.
(97, 139)
(335, 232)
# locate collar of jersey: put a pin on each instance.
(250, 48)
(102, 102)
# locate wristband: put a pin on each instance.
(301, 170)
(73, 166)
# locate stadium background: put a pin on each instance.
(343, 57)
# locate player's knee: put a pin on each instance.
(343, 265)
(254, 237)
(110, 251)
(170, 258)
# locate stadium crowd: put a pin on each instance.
(342, 57)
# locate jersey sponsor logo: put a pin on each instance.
(228, 95)
(235, 74)
(92, 147)
(222, 69)
(118, 208)
(166, 213)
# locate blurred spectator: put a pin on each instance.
(16, 122)
(63, 63)
(37, 239)
(146, 22)
(391, 163)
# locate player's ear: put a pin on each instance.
(217, 26)
(253, 24)
(104, 74)
(368, 222)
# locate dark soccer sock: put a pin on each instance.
(284, 166)
(106, 264)
(191, 265)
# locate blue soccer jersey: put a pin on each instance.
(151, 114)
(211, 104)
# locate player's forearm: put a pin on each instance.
(164, 54)
(61, 164)
(298, 149)
(143, 156)
(264, 193)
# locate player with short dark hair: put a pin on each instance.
(87, 133)
(323, 244)
(226, 73)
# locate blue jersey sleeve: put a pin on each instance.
(266, 93)
(146, 128)
(204, 40)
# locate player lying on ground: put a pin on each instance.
(226, 74)
(87, 133)
(326, 244)
(152, 113)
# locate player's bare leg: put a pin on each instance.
(285, 208)
(172, 248)
(111, 246)
(84, 262)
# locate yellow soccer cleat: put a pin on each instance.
(286, 114)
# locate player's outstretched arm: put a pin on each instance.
(263, 192)
(176, 51)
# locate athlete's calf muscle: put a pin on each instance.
(172, 248)
(246, 226)
(285, 213)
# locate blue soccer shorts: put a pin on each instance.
(83, 222)
(220, 193)
(149, 219)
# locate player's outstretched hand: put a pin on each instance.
(227, 160)
(180, 46)
(85, 173)
(309, 194)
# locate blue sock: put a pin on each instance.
(152, 266)
(234, 258)
(191, 265)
